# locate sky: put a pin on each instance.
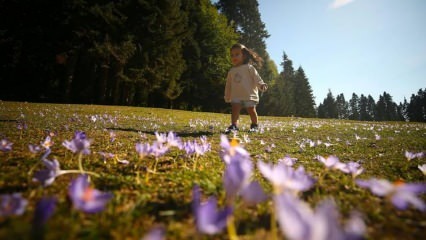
(351, 46)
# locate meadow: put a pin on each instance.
(155, 191)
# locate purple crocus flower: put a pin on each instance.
(159, 149)
(299, 222)
(106, 156)
(44, 210)
(34, 148)
(86, 198)
(208, 218)
(285, 177)
(47, 176)
(231, 149)
(5, 145)
(143, 149)
(195, 148)
(156, 233)
(236, 181)
(354, 168)
(288, 161)
(412, 155)
(170, 139)
(47, 143)
(12, 204)
(79, 144)
(401, 194)
(332, 162)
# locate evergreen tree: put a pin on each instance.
(363, 109)
(304, 99)
(354, 107)
(387, 110)
(328, 109)
(416, 109)
(209, 60)
(371, 107)
(286, 88)
(342, 107)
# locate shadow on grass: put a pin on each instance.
(180, 134)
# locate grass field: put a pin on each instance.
(157, 191)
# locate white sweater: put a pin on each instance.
(242, 84)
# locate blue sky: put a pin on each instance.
(351, 46)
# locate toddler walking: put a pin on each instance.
(243, 84)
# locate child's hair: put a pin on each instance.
(249, 55)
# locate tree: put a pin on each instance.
(342, 107)
(206, 51)
(328, 108)
(354, 107)
(304, 99)
(416, 109)
(364, 114)
(371, 107)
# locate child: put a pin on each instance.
(242, 85)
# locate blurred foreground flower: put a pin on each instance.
(44, 210)
(299, 222)
(422, 168)
(12, 204)
(156, 233)
(86, 198)
(47, 176)
(79, 144)
(207, 217)
(400, 194)
(284, 177)
(237, 181)
(5, 145)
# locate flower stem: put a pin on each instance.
(62, 172)
(80, 162)
(273, 223)
(194, 167)
(232, 232)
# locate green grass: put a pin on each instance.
(165, 199)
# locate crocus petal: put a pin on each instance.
(293, 216)
(401, 200)
(253, 193)
(157, 233)
(44, 210)
(207, 217)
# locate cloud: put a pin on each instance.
(339, 3)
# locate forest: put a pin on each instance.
(159, 53)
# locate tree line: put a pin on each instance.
(153, 53)
(365, 108)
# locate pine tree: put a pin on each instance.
(328, 109)
(371, 107)
(342, 107)
(363, 109)
(304, 99)
(286, 88)
(354, 107)
(416, 109)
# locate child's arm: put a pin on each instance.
(261, 85)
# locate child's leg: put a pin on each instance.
(236, 108)
(253, 114)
